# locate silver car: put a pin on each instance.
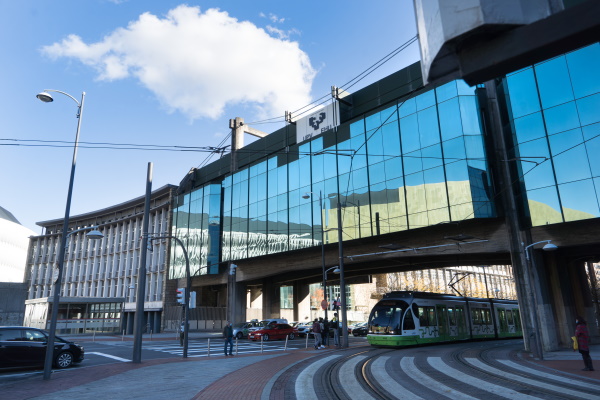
(241, 329)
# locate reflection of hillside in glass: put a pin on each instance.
(543, 214)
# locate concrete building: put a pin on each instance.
(99, 277)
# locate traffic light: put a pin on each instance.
(181, 295)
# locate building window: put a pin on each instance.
(287, 297)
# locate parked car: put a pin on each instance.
(274, 331)
(22, 347)
(360, 329)
(241, 329)
(304, 328)
(268, 322)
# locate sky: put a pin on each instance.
(163, 74)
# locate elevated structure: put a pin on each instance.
(439, 175)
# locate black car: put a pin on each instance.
(361, 329)
(22, 347)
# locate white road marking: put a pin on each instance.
(348, 379)
(304, 388)
(409, 367)
(437, 363)
(514, 377)
(558, 378)
(109, 356)
(380, 373)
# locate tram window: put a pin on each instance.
(451, 316)
(409, 322)
(477, 316)
(509, 316)
(517, 320)
(486, 317)
(427, 316)
(502, 319)
(460, 316)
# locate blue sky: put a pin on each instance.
(166, 73)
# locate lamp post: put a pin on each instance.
(186, 305)
(325, 271)
(47, 98)
(307, 196)
(342, 279)
(536, 325)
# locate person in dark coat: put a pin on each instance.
(325, 333)
(228, 335)
(583, 341)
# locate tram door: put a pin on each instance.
(442, 318)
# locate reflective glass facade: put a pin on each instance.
(415, 162)
(553, 116)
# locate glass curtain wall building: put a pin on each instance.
(552, 115)
(417, 161)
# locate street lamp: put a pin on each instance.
(186, 304)
(336, 270)
(47, 98)
(307, 196)
(548, 247)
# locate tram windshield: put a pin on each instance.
(386, 316)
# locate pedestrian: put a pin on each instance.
(228, 335)
(325, 333)
(181, 333)
(583, 337)
(316, 329)
(335, 325)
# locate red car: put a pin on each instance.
(274, 331)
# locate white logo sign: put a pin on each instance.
(318, 122)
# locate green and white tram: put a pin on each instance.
(412, 318)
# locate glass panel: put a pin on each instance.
(561, 118)
(579, 200)
(425, 100)
(583, 67)
(544, 207)
(428, 127)
(464, 89)
(536, 175)
(553, 82)
(529, 127)
(450, 121)
(409, 130)
(377, 173)
(523, 97)
(569, 162)
(408, 107)
(469, 112)
(591, 135)
(446, 91)
(589, 109)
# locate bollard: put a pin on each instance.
(150, 335)
(307, 340)
(261, 344)
(94, 336)
(208, 348)
(236, 346)
(123, 337)
(286, 339)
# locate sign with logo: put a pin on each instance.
(317, 122)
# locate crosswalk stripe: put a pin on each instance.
(304, 388)
(437, 363)
(409, 367)
(348, 380)
(380, 373)
(554, 377)
(477, 363)
(109, 356)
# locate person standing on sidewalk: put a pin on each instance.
(583, 339)
(335, 325)
(316, 330)
(325, 333)
(228, 335)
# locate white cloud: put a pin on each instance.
(199, 63)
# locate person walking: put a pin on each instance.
(228, 335)
(316, 329)
(583, 339)
(335, 325)
(325, 333)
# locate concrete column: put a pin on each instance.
(239, 314)
(547, 323)
(271, 301)
(302, 301)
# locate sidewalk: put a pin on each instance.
(568, 361)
